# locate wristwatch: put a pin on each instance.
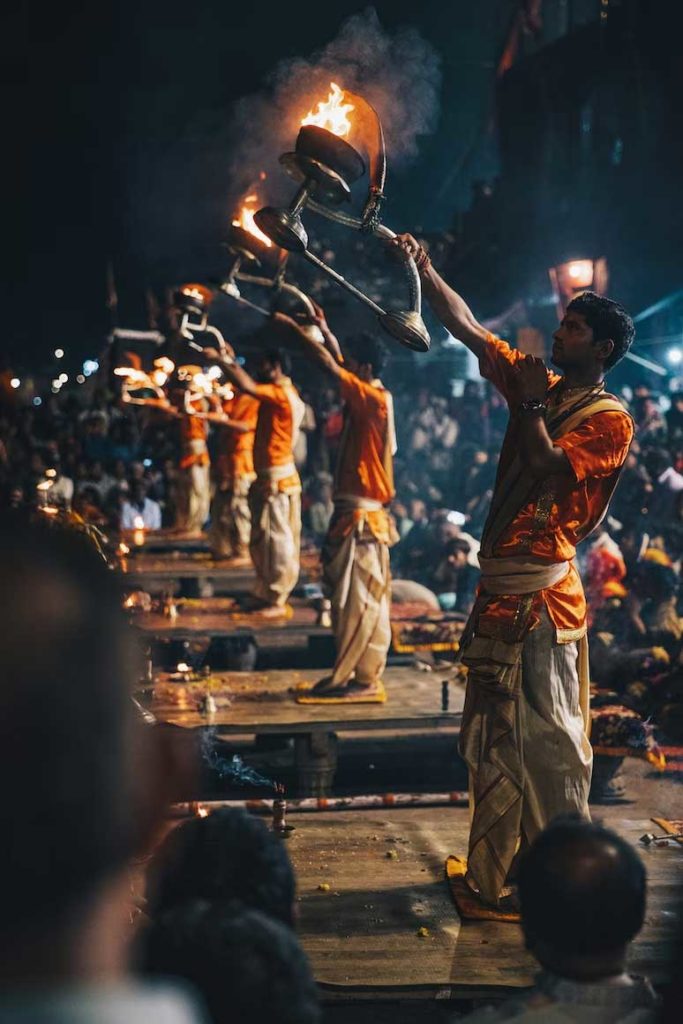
(533, 405)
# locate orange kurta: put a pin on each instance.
(276, 430)
(365, 463)
(236, 448)
(564, 509)
(192, 430)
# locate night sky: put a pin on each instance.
(126, 104)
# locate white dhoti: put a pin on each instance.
(194, 496)
(275, 540)
(231, 518)
(357, 579)
(524, 738)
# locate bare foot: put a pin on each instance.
(276, 611)
(352, 688)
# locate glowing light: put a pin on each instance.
(59, 353)
(183, 667)
(214, 372)
(37, 401)
(581, 273)
(63, 378)
(675, 356)
(245, 218)
(164, 364)
(15, 382)
(80, 379)
(332, 114)
(90, 366)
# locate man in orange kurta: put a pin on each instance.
(524, 729)
(234, 470)
(194, 495)
(275, 494)
(355, 553)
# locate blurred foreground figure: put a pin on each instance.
(81, 787)
(526, 711)
(355, 553)
(582, 894)
(246, 965)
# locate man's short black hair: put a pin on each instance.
(607, 319)
(229, 855)
(276, 357)
(581, 889)
(67, 727)
(246, 966)
(366, 348)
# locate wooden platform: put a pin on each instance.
(146, 567)
(219, 616)
(262, 702)
(362, 934)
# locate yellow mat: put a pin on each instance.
(470, 908)
(304, 696)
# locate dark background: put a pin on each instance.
(110, 98)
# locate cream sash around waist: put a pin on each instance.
(356, 501)
(517, 576)
(275, 473)
(195, 446)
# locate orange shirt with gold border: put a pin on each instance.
(236, 447)
(193, 429)
(274, 440)
(365, 463)
(565, 508)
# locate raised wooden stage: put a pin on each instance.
(258, 703)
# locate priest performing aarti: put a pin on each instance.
(355, 553)
(275, 494)
(233, 476)
(524, 730)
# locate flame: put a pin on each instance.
(332, 114)
(139, 523)
(245, 219)
(202, 812)
(123, 549)
(132, 374)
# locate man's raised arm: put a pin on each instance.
(328, 353)
(232, 369)
(450, 308)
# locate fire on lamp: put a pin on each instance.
(250, 246)
(326, 166)
(138, 531)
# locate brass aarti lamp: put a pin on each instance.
(326, 166)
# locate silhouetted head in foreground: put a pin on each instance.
(246, 966)
(228, 855)
(582, 894)
(76, 776)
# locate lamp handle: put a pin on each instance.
(380, 231)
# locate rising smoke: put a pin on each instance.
(397, 72)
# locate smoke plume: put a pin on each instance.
(397, 72)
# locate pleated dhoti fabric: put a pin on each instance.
(357, 578)
(275, 541)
